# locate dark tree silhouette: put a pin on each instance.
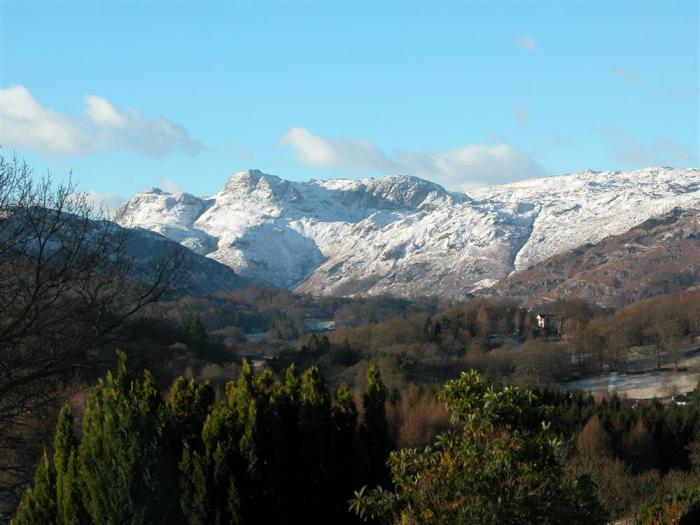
(67, 288)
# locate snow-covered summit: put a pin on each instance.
(404, 235)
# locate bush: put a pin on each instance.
(682, 508)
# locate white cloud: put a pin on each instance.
(527, 42)
(458, 169)
(102, 112)
(627, 149)
(168, 185)
(108, 202)
(662, 151)
(471, 165)
(28, 124)
(352, 154)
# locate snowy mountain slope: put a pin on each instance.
(202, 275)
(403, 235)
(589, 206)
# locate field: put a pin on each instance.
(644, 381)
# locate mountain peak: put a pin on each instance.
(154, 190)
(250, 180)
(404, 190)
(404, 235)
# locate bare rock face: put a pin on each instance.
(659, 256)
(404, 236)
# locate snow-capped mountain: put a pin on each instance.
(403, 235)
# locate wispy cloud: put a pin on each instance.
(355, 155)
(522, 114)
(527, 42)
(629, 76)
(663, 151)
(560, 141)
(240, 151)
(108, 202)
(102, 127)
(459, 169)
(168, 185)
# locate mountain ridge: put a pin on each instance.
(402, 235)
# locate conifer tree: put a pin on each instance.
(209, 493)
(241, 398)
(120, 456)
(345, 452)
(194, 328)
(375, 428)
(38, 504)
(594, 440)
(68, 504)
(285, 465)
(54, 495)
(315, 426)
(187, 409)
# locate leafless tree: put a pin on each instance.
(67, 288)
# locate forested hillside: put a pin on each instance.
(289, 450)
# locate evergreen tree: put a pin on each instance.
(209, 477)
(345, 453)
(241, 398)
(194, 329)
(120, 456)
(188, 406)
(54, 495)
(375, 428)
(68, 504)
(285, 467)
(38, 504)
(209, 494)
(315, 427)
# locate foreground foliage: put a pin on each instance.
(682, 508)
(270, 451)
(69, 287)
(501, 467)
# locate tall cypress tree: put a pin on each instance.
(68, 504)
(315, 427)
(120, 456)
(53, 497)
(187, 408)
(284, 463)
(345, 454)
(38, 504)
(209, 492)
(375, 428)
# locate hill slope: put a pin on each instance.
(661, 255)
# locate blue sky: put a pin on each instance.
(134, 94)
